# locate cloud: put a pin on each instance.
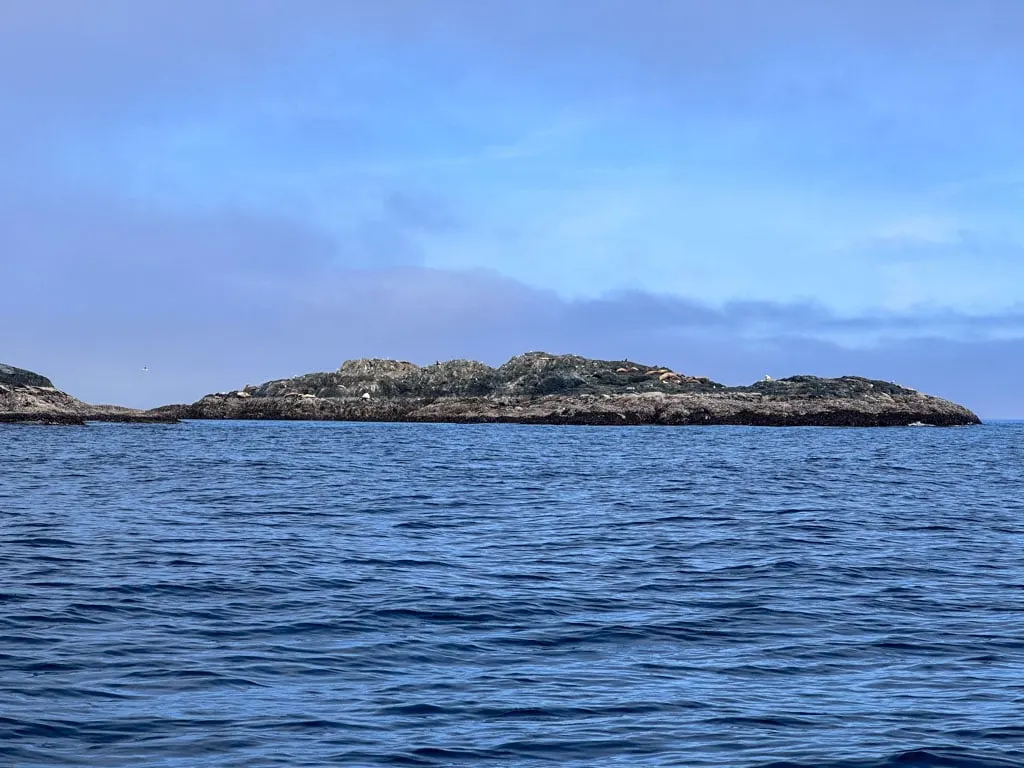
(794, 54)
(247, 189)
(226, 299)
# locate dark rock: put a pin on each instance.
(812, 386)
(19, 377)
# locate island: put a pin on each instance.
(543, 388)
(27, 397)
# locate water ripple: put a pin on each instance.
(342, 594)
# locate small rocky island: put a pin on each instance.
(541, 388)
(27, 397)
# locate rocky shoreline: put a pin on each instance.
(29, 398)
(540, 388)
(534, 388)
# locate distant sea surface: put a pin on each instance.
(300, 594)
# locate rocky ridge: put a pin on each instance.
(27, 397)
(541, 388)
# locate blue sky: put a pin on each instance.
(234, 191)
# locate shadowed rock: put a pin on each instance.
(540, 388)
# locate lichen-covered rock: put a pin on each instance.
(540, 388)
(539, 373)
(813, 386)
(375, 367)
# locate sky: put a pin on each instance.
(234, 191)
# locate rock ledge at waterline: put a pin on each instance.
(27, 397)
(541, 388)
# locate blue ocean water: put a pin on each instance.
(299, 594)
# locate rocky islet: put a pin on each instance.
(534, 388)
(543, 388)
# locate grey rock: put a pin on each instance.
(19, 377)
(27, 397)
(541, 388)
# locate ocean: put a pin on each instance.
(325, 594)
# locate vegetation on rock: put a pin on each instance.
(19, 377)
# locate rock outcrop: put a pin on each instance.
(27, 397)
(19, 377)
(540, 388)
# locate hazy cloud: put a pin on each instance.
(135, 136)
(219, 301)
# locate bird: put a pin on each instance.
(145, 369)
